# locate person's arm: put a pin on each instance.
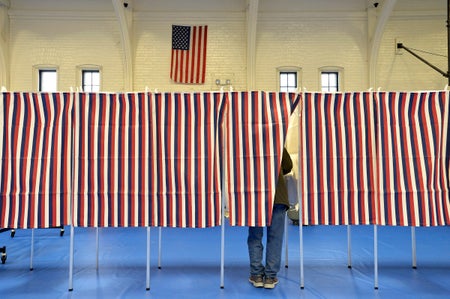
(286, 162)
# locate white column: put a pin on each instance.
(376, 25)
(125, 19)
(252, 20)
(4, 40)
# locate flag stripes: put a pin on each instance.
(338, 158)
(413, 158)
(35, 164)
(256, 129)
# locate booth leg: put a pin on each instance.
(71, 259)
(413, 244)
(147, 283)
(349, 247)
(375, 255)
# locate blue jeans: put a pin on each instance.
(274, 244)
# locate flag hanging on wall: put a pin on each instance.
(188, 62)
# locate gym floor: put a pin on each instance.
(190, 263)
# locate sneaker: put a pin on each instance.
(270, 282)
(257, 281)
(293, 213)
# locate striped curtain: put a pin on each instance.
(184, 165)
(145, 159)
(35, 164)
(338, 158)
(256, 130)
(413, 158)
(109, 138)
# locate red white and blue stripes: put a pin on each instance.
(146, 159)
(256, 127)
(338, 158)
(35, 164)
(413, 158)
(107, 165)
(185, 177)
(154, 159)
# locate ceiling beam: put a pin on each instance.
(252, 21)
(123, 10)
(377, 34)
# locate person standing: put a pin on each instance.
(266, 276)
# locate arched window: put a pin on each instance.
(288, 78)
(330, 79)
(45, 78)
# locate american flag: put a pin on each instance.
(147, 159)
(338, 158)
(256, 129)
(413, 158)
(35, 159)
(188, 63)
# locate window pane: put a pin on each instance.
(324, 79)
(283, 79)
(87, 76)
(329, 81)
(292, 80)
(96, 78)
(332, 79)
(91, 80)
(48, 80)
(288, 81)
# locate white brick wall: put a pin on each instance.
(65, 43)
(405, 72)
(291, 33)
(311, 44)
(226, 50)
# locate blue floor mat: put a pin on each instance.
(189, 265)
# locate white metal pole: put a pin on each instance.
(71, 259)
(300, 225)
(299, 191)
(159, 246)
(223, 209)
(96, 248)
(147, 283)
(222, 250)
(375, 254)
(72, 231)
(32, 249)
(349, 247)
(286, 243)
(413, 244)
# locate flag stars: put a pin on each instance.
(180, 37)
